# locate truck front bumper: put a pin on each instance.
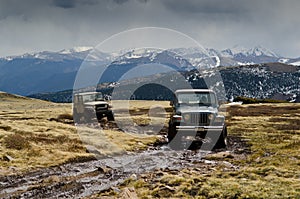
(198, 132)
(198, 128)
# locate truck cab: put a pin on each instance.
(90, 105)
(196, 116)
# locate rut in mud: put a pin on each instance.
(77, 180)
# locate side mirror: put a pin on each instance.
(171, 103)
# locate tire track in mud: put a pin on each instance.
(84, 179)
(78, 180)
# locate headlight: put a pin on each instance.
(186, 117)
(211, 116)
(219, 119)
(177, 118)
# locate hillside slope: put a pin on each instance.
(265, 81)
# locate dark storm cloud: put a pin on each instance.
(120, 1)
(73, 3)
(65, 3)
(143, 1)
(206, 6)
(34, 25)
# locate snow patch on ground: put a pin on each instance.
(283, 60)
(295, 63)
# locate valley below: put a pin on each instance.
(44, 155)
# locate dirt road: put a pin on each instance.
(77, 180)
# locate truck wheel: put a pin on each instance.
(171, 132)
(88, 116)
(99, 117)
(222, 141)
(174, 139)
(76, 116)
(178, 144)
(110, 116)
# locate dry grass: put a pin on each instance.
(271, 170)
(142, 113)
(38, 134)
(29, 136)
(16, 141)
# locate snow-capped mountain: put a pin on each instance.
(243, 56)
(137, 53)
(237, 55)
(260, 51)
(53, 71)
(241, 51)
(197, 57)
(294, 62)
(78, 49)
(65, 54)
(148, 55)
(230, 52)
(208, 58)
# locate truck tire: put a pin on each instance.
(99, 116)
(110, 116)
(171, 131)
(175, 138)
(222, 141)
(76, 116)
(88, 116)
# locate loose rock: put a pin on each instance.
(7, 158)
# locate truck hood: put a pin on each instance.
(95, 103)
(197, 109)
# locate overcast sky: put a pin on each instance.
(37, 25)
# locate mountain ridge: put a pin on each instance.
(54, 71)
(265, 81)
(84, 50)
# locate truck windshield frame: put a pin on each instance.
(92, 97)
(196, 98)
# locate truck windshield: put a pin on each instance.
(92, 97)
(190, 99)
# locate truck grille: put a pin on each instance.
(199, 119)
(101, 107)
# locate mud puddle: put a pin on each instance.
(77, 180)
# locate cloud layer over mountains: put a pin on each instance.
(33, 25)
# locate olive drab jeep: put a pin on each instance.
(89, 106)
(196, 119)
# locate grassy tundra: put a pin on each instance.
(265, 165)
(36, 134)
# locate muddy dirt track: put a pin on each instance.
(78, 180)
